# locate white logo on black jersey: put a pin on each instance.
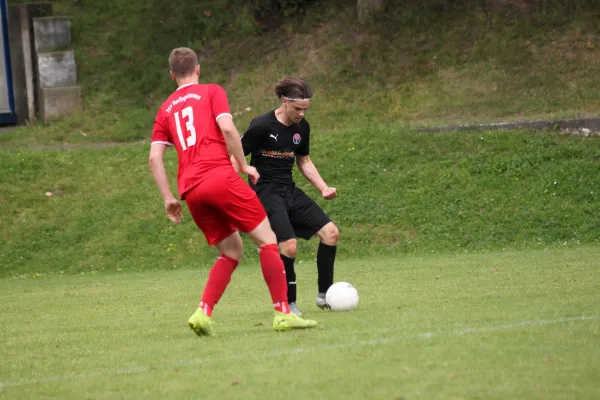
(274, 136)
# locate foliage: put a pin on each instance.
(417, 64)
(279, 8)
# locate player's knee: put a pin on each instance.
(235, 253)
(232, 246)
(233, 250)
(265, 238)
(332, 235)
(288, 248)
(263, 235)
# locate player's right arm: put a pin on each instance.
(248, 143)
(234, 145)
(220, 108)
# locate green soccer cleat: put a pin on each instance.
(287, 322)
(201, 323)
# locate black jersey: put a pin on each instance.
(274, 147)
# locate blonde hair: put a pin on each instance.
(183, 62)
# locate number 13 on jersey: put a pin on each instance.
(187, 114)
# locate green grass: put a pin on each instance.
(428, 193)
(472, 326)
(475, 255)
(416, 65)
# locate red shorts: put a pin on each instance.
(222, 204)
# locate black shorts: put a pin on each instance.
(291, 212)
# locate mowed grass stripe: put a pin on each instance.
(399, 336)
(469, 326)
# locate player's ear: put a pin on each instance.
(172, 75)
(198, 70)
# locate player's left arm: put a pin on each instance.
(308, 169)
(157, 166)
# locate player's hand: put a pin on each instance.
(173, 209)
(252, 173)
(329, 193)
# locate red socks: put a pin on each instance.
(274, 274)
(218, 279)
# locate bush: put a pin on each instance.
(270, 13)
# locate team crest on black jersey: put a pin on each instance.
(296, 138)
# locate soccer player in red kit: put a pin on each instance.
(196, 120)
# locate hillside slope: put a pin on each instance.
(416, 65)
(98, 209)
(95, 208)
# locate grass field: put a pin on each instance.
(476, 256)
(498, 325)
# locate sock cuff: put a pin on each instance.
(285, 258)
(326, 246)
(230, 259)
(269, 247)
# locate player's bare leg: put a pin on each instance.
(328, 235)
(232, 246)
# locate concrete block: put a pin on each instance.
(58, 101)
(57, 69)
(51, 34)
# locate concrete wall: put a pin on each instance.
(57, 72)
(44, 69)
(57, 69)
(15, 33)
(20, 25)
(57, 101)
(52, 34)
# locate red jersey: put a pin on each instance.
(188, 121)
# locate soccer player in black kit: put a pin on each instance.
(276, 140)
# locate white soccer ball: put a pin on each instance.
(342, 296)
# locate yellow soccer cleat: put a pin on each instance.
(201, 323)
(287, 322)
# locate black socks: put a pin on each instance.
(325, 261)
(290, 277)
